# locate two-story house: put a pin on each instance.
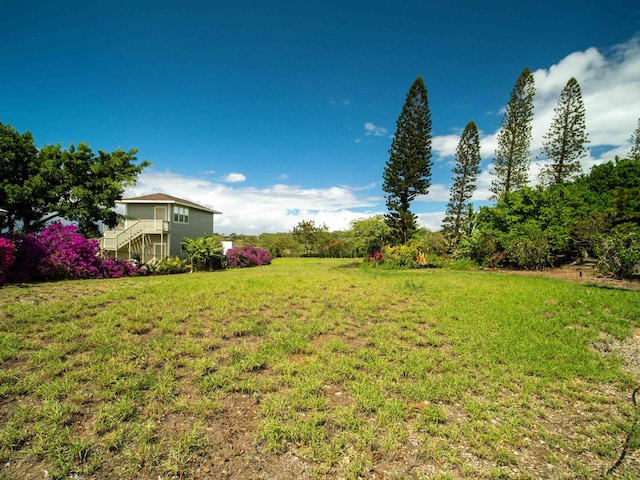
(155, 227)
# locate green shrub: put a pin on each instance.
(619, 254)
(531, 251)
(483, 248)
(204, 253)
(461, 264)
(403, 256)
(412, 255)
(168, 266)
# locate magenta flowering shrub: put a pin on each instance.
(7, 258)
(29, 255)
(59, 252)
(70, 255)
(112, 268)
(247, 256)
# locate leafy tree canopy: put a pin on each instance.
(620, 181)
(75, 184)
(372, 234)
(309, 235)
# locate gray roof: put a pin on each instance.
(164, 198)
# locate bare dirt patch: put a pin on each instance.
(578, 273)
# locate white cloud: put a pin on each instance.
(445, 145)
(277, 208)
(610, 85)
(431, 221)
(234, 178)
(437, 193)
(372, 130)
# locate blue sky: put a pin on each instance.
(282, 111)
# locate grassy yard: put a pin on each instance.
(307, 369)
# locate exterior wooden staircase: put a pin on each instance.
(131, 235)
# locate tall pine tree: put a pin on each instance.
(565, 143)
(634, 153)
(466, 173)
(407, 173)
(512, 156)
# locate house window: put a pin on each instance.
(180, 214)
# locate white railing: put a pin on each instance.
(129, 230)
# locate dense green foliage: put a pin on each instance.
(204, 253)
(371, 234)
(565, 143)
(588, 218)
(310, 235)
(407, 173)
(75, 184)
(459, 211)
(512, 156)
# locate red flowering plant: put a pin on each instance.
(377, 257)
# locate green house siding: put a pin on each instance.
(200, 223)
(140, 212)
(157, 225)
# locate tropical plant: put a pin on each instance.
(204, 253)
(167, 266)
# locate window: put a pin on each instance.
(181, 214)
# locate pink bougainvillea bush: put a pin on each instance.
(59, 252)
(29, 255)
(247, 256)
(7, 258)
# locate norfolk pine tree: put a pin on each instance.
(565, 142)
(634, 153)
(466, 173)
(512, 156)
(407, 173)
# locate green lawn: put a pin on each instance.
(307, 369)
